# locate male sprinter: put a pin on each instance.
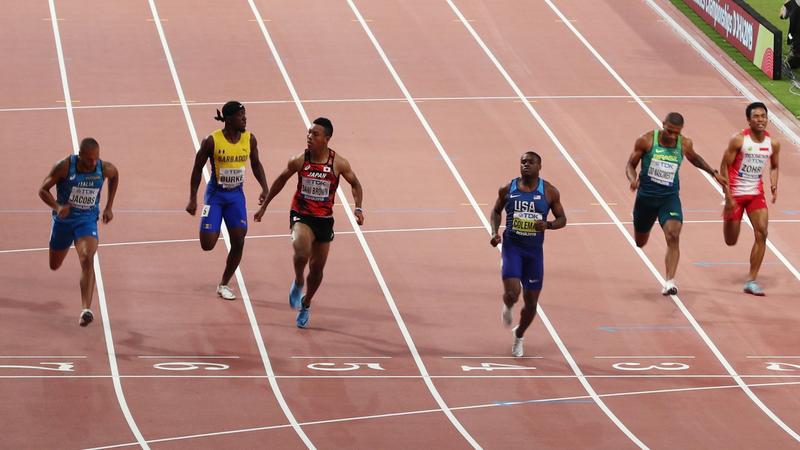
(311, 217)
(661, 153)
(743, 162)
(228, 149)
(78, 180)
(527, 201)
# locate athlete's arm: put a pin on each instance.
(727, 160)
(358, 193)
(554, 200)
(497, 212)
(57, 173)
(258, 169)
(111, 172)
(700, 163)
(773, 170)
(640, 148)
(205, 152)
(294, 165)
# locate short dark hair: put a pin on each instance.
(752, 106)
(229, 110)
(89, 143)
(326, 124)
(674, 118)
(535, 156)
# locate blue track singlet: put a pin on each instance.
(81, 191)
(522, 210)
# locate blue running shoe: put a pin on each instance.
(751, 287)
(295, 296)
(302, 317)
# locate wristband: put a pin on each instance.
(356, 210)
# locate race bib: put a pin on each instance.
(315, 189)
(230, 178)
(752, 166)
(662, 172)
(524, 223)
(83, 198)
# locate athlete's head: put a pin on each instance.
(671, 127)
(319, 134)
(757, 116)
(88, 154)
(529, 164)
(234, 116)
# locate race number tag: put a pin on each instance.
(314, 189)
(230, 178)
(524, 223)
(83, 198)
(752, 166)
(662, 172)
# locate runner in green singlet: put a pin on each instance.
(657, 185)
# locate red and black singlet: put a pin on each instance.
(316, 187)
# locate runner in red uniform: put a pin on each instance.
(311, 215)
(744, 162)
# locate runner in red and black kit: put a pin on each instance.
(311, 216)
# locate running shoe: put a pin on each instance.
(86, 317)
(506, 315)
(516, 349)
(295, 296)
(302, 316)
(669, 288)
(225, 292)
(751, 287)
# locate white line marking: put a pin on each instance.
(341, 357)
(191, 356)
(239, 278)
(492, 357)
(370, 100)
(42, 357)
(586, 385)
(774, 357)
(644, 357)
(675, 298)
(361, 239)
(101, 295)
(429, 411)
(444, 377)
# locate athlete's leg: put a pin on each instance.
(237, 236)
(644, 216)
(759, 218)
(86, 247)
(511, 290)
(672, 233)
(210, 222)
(732, 223)
(531, 299)
(316, 266)
(61, 236)
(302, 240)
(57, 257)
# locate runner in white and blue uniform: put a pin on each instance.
(76, 209)
(527, 201)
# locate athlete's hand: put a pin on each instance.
(359, 216)
(260, 213)
(730, 204)
(263, 197)
(540, 225)
(774, 190)
(108, 215)
(191, 208)
(496, 239)
(62, 211)
(635, 184)
(723, 181)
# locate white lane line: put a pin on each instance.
(774, 357)
(645, 357)
(492, 357)
(573, 364)
(341, 357)
(391, 230)
(362, 240)
(262, 349)
(41, 357)
(442, 377)
(711, 345)
(185, 357)
(429, 411)
(372, 100)
(101, 295)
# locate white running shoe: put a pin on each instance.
(506, 315)
(225, 292)
(516, 349)
(669, 288)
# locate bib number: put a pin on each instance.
(231, 178)
(752, 166)
(314, 189)
(524, 223)
(662, 172)
(83, 198)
